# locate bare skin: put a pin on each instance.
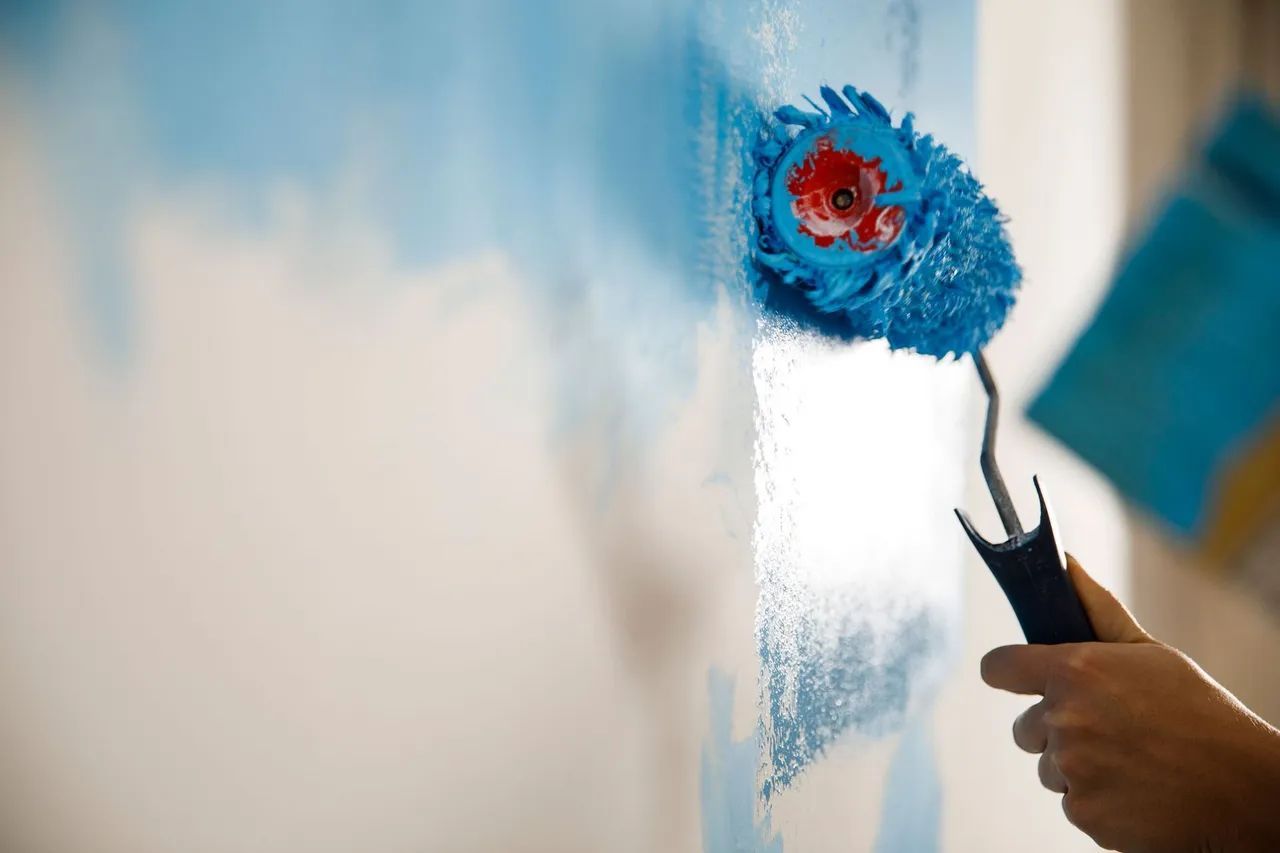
(1148, 751)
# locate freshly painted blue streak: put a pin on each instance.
(729, 790)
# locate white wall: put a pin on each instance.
(1051, 151)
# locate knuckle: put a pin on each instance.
(1069, 763)
(1079, 662)
(1058, 718)
(1180, 658)
(1082, 669)
(1068, 722)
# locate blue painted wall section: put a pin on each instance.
(603, 144)
(729, 791)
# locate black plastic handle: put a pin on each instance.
(1033, 574)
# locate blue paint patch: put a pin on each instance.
(910, 818)
(604, 145)
(818, 686)
(729, 823)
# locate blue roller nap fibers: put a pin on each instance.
(867, 229)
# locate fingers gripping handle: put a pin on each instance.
(1031, 571)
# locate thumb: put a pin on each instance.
(1111, 620)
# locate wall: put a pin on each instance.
(395, 460)
(1051, 131)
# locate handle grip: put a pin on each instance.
(1032, 572)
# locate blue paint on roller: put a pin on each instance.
(924, 261)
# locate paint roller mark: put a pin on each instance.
(821, 682)
(859, 598)
(728, 782)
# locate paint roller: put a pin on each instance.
(865, 229)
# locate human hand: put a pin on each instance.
(1148, 751)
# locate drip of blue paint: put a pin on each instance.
(942, 286)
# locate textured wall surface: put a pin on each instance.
(393, 458)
